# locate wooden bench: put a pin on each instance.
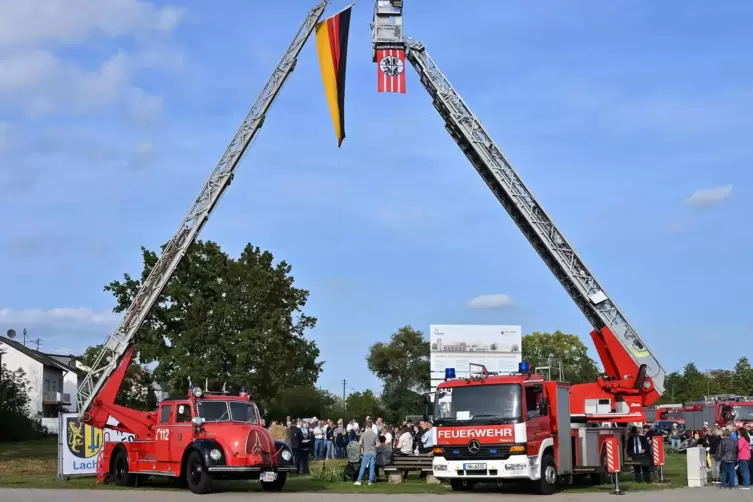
(401, 465)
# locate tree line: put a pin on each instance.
(241, 322)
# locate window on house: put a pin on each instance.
(47, 386)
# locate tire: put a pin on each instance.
(462, 485)
(277, 484)
(119, 473)
(547, 485)
(197, 478)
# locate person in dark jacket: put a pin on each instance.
(637, 448)
(727, 455)
(296, 438)
(714, 442)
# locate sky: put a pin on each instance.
(629, 121)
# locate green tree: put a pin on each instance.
(14, 390)
(674, 389)
(403, 366)
(360, 404)
(137, 390)
(578, 367)
(695, 384)
(304, 401)
(235, 321)
(742, 378)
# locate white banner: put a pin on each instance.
(79, 444)
(498, 347)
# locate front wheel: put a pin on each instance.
(119, 472)
(277, 484)
(547, 485)
(197, 478)
(461, 485)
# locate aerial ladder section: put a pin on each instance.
(118, 347)
(629, 365)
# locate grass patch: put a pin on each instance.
(33, 464)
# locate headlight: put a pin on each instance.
(215, 454)
(286, 455)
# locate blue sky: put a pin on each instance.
(628, 120)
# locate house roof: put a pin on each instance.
(37, 356)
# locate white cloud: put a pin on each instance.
(143, 155)
(709, 196)
(497, 301)
(61, 330)
(58, 316)
(39, 81)
(27, 23)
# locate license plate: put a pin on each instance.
(268, 476)
(474, 467)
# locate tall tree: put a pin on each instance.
(303, 401)
(695, 383)
(137, 390)
(14, 390)
(578, 367)
(360, 404)
(235, 321)
(403, 366)
(742, 378)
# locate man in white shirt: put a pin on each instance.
(318, 439)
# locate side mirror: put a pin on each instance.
(197, 421)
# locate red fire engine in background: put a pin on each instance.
(721, 409)
(198, 437)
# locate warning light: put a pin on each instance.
(523, 367)
(449, 373)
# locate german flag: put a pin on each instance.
(332, 45)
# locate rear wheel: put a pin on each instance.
(547, 485)
(119, 472)
(197, 478)
(461, 485)
(277, 484)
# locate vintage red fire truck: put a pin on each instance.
(199, 437)
(721, 409)
(195, 439)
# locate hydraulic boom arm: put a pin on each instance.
(117, 345)
(622, 351)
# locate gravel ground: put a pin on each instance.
(681, 495)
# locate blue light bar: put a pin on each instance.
(449, 373)
(523, 367)
(244, 390)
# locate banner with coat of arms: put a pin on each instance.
(79, 444)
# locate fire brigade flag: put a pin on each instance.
(391, 72)
(332, 46)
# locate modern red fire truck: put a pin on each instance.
(722, 409)
(199, 437)
(494, 428)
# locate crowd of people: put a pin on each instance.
(329, 439)
(728, 452)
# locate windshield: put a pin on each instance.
(478, 404)
(222, 411)
(743, 412)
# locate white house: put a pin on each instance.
(52, 380)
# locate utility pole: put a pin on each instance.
(344, 384)
(36, 342)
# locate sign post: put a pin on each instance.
(79, 446)
(612, 445)
(657, 456)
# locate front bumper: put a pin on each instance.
(514, 467)
(243, 468)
